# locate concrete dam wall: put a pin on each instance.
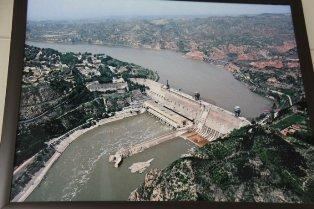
(207, 118)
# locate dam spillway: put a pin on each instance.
(195, 120)
(171, 118)
(180, 109)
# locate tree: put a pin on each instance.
(69, 59)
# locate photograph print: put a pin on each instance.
(154, 100)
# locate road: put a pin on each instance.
(280, 93)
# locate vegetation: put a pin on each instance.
(69, 59)
(290, 120)
(106, 75)
(56, 101)
(59, 101)
(253, 164)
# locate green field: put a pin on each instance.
(288, 121)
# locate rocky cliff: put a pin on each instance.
(253, 164)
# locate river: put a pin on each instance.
(213, 83)
(83, 173)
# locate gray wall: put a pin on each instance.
(6, 8)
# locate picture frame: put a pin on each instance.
(12, 101)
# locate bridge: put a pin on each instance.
(178, 109)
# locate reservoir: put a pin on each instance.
(83, 173)
(214, 84)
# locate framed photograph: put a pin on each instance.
(199, 103)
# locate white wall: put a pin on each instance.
(308, 7)
(6, 8)
(6, 11)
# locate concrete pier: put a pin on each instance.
(126, 152)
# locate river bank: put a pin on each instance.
(188, 75)
(60, 148)
(219, 64)
(210, 77)
(83, 173)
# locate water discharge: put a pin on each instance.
(84, 173)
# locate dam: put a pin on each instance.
(191, 118)
(183, 110)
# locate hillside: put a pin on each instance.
(252, 164)
(61, 91)
(64, 92)
(174, 33)
(259, 50)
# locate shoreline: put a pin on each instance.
(218, 64)
(60, 148)
(29, 42)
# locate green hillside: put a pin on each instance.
(252, 164)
